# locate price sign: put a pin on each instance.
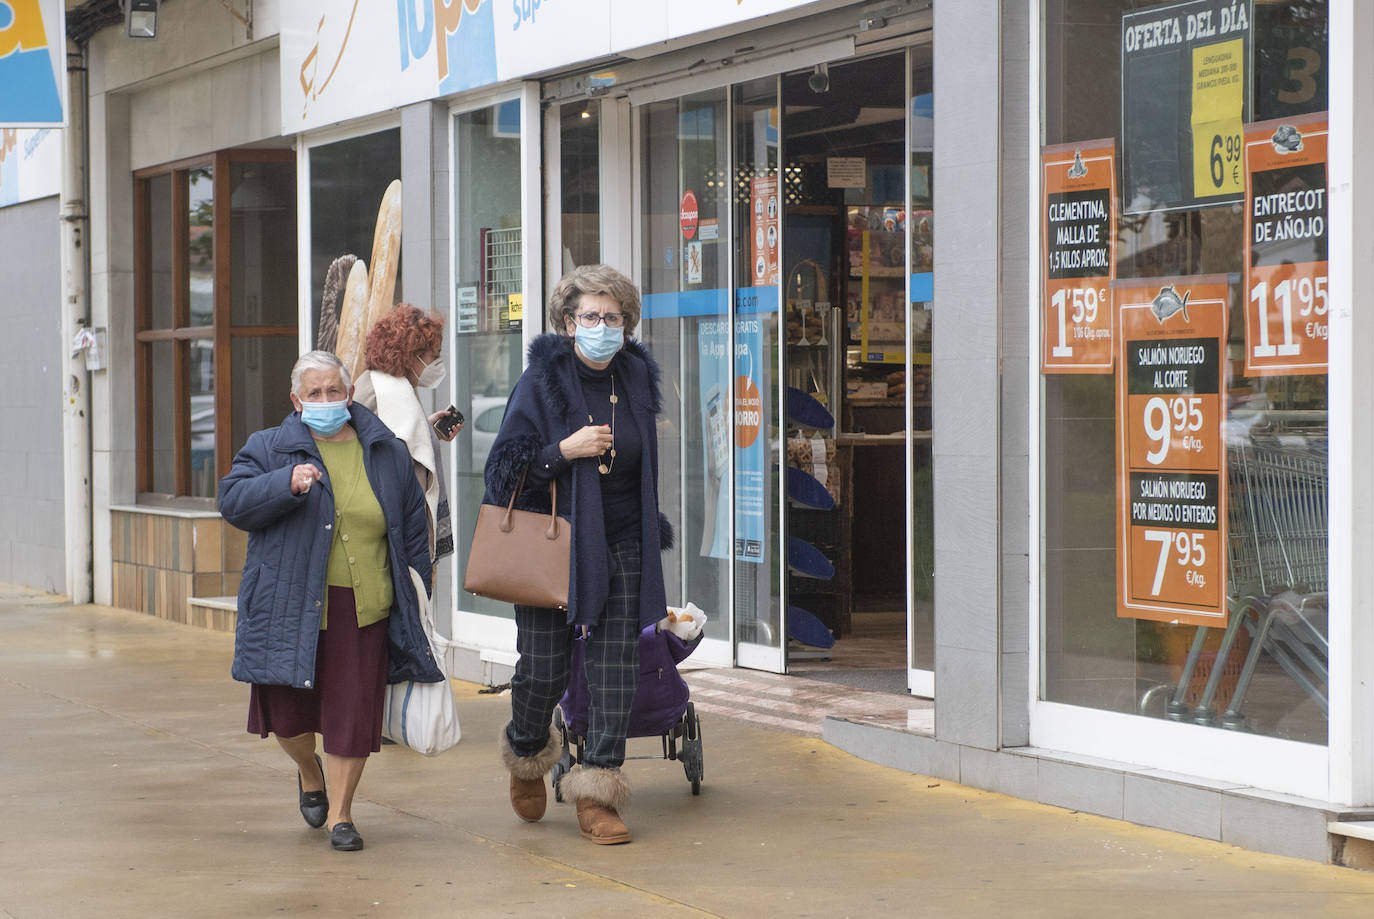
(1218, 99)
(1078, 228)
(1286, 305)
(1185, 96)
(1171, 455)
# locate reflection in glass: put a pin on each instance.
(921, 235)
(263, 240)
(685, 324)
(347, 181)
(1266, 674)
(200, 245)
(579, 154)
(754, 343)
(261, 384)
(160, 251)
(162, 415)
(489, 307)
(201, 387)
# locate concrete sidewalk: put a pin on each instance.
(131, 789)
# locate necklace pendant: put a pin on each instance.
(603, 469)
(614, 398)
(613, 453)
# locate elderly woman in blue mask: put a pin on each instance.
(583, 413)
(327, 609)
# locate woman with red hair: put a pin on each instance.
(403, 352)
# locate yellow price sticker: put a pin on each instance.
(1218, 138)
(515, 307)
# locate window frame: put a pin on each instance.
(221, 332)
(1209, 755)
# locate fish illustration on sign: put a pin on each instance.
(1079, 169)
(1167, 302)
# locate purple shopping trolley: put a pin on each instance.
(662, 707)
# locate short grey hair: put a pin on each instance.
(592, 279)
(318, 360)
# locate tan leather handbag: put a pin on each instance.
(521, 556)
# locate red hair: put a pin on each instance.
(399, 336)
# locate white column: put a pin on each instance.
(1350, 179)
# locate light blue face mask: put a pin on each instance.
(600, 343)
(325, 418)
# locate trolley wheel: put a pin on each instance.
(565, 761)
(693, 761)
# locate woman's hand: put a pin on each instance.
(453, 432)
(588, 440)
(303, 476)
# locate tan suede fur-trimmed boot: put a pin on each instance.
(601, 795)
(528, 797)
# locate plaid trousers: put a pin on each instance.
(544, 639)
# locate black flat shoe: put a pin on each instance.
(344, 837)
(314, 804)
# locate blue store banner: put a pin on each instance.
(32, 63)
(752, 379)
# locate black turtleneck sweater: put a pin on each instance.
(620, 502)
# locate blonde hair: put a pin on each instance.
(592, 279)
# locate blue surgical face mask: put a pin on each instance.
(325, 418)
(599, 344)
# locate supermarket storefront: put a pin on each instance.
(1129, 439)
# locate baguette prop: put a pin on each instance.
(352, 315)
(386, 256)
(370, 293)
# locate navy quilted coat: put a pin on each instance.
(289, 537)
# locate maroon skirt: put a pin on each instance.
(350, 687)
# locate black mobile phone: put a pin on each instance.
(451, 419)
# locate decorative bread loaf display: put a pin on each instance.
(335, 280)
(352, 316)
(369, 294)
(386, 256)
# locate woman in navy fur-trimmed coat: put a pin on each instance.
(583, 413)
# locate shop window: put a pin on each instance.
(215, 298)
(348, 183)
(579, 145)
(1183, 386)
(490, 307)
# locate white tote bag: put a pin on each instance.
(423, 716)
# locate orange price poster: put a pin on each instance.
(1286, 305)
(1078, 223)
(1170, 452)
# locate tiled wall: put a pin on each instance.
(160, 561)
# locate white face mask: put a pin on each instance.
(432, 375)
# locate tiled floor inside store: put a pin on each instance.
(863, 677)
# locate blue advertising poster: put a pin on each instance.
(751, 425)
(713, 343)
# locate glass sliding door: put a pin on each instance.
(684, 279)
(760, 628)
(920, 223)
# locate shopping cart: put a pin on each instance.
(1277, 563)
